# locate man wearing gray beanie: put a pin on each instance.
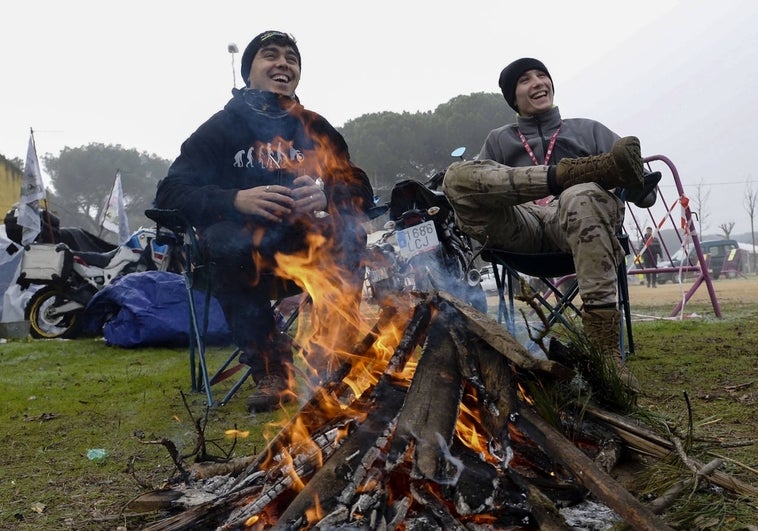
(501, 208)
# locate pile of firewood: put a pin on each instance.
(458, 444)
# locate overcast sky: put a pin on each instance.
(144, 74)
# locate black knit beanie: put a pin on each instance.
(510, 74)
(268, 37)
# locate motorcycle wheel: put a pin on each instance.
(44, 326)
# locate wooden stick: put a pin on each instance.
(663, 501)
(431, 405)
(498, 337)
(643, 440)
(603, 486)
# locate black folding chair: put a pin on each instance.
(556, 272)
(197, 278)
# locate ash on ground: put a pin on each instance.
(590, 516)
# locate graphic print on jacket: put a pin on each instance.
(269, 157)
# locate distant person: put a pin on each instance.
(650, 255)
(258, 178)
(559, 204)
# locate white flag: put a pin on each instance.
(32, 191)
(114, 217)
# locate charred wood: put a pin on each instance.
(542, 507)
(604, 487)
(498, 338)
(339, 477)
(445, 520)
(430, 411)
(490, 374)
(349, 465)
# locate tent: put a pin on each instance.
(150, 309)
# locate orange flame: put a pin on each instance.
(236, 434)
(315, 513)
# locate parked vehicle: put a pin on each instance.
(489, 284)
(422, 248)
(69, 278)
(715, 251)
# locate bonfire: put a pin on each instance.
(432, 416)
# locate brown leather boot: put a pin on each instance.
(271, 392)
(602, 327)
(622, 167)
(271, 375)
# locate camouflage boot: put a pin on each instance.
(602, 327)
(622, 167)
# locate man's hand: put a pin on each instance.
(308, 194)
(273, 202)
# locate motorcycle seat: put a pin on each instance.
(95, 259)
(409, 195)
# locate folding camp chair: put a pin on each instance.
(559, 299)
(197, 278)
(556, 271)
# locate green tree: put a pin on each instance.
(82, 179)
(394, 146)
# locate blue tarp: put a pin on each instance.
(150, 309)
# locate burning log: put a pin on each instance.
(349, 466)
(434, 394)
(443, 445)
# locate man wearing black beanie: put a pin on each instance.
(261, 181)
(511, 74)
(267, 38)
(548, 208)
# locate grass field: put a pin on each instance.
(62, 399)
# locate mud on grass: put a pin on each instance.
(63, 398)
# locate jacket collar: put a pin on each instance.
(262, 102)
(544, 123)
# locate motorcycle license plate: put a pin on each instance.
(418, 239)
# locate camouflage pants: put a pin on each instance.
(493, 204)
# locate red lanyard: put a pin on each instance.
(549, 151)
(545, 200)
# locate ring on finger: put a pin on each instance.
(268, 187)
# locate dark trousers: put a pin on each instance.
(241, 261)
(650, 278)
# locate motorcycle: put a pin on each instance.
(69, 278)
(423, 249)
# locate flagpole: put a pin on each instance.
(107, 204)
(45, 206)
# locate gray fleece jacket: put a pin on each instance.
(578, 137)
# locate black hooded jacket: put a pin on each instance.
(260, 138)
